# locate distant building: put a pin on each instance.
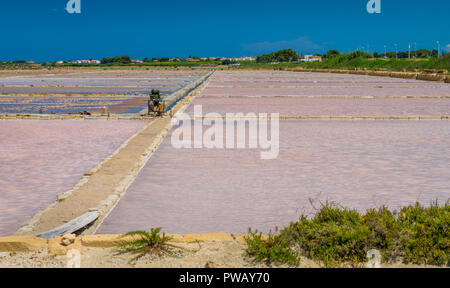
(245, 58)
(210, 58)
(88, 61)
(60, 62)
(137, 61)
(311, 58)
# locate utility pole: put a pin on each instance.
(439, 48)
(409, 50)
(415, 50)
(396, 51)
(385, 51)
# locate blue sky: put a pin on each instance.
(41, 30)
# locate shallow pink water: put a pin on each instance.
(329, 91)
(359, 164)
(324, 106)
(289, 76)
(321, 83)
(42, 158)
(285, 83)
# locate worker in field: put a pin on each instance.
(156, 103)
(155, 97)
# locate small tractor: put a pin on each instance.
(156, 105)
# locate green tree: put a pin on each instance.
(331, 53)
(286, 55)
(422, 53)
(117, 59)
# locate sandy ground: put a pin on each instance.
(229, 254)
(195, 255)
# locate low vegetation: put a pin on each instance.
(144, 243)
(286, 55)
(359, 60)
(364, 60)
(272, 248)
(287, 58)
(337, 236)
(117, 60)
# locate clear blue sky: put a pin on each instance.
(41, 30)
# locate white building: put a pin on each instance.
(311, 58)
(244, 58)
(88, 62)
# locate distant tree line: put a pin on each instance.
(117, 59)
(286, 55)
(159, 59)
(422, 53)
(228, 62)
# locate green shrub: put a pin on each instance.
(425, 235)
(273, 248)
(144, 243)
(333, 235)
(337, 236)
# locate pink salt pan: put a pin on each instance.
(358, 164)
(324, 106)
(42, 158)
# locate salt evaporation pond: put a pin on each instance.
(268, 76)
(36, 104)
(358, 164)
(40, 159)
(120, 91)
(305, 84)
(324, 106)
(328, 92)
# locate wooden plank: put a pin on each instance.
(71, 226)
